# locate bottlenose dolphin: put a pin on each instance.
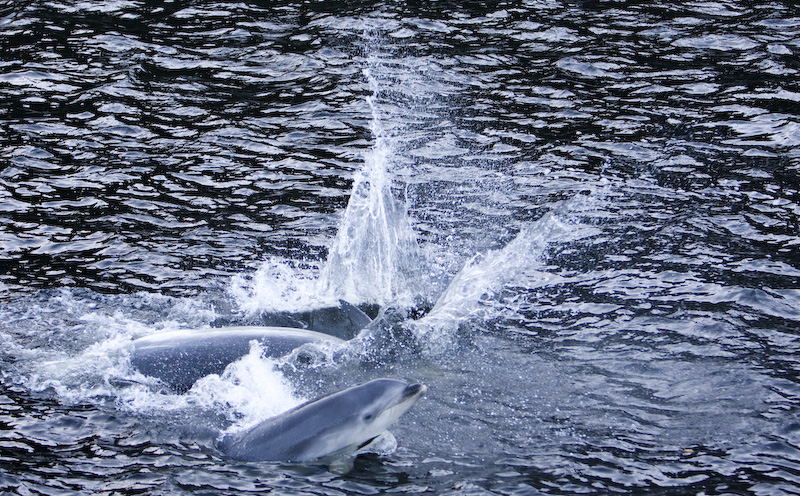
(333, 426)
(180, 358)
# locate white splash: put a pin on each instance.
(483, 276)
(250, 390)
(375, 257)
(280, 285)
(76, 378)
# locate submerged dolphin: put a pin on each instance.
(336, 425)
(180, 358)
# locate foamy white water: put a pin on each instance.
(250, 390)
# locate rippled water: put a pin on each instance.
(604, 197)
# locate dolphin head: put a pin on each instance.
(367, 410)
(388, 400)
(338, 424)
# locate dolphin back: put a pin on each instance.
(180, 358)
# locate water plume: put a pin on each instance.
(375, 257)
(484, 275)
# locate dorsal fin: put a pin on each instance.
(358, 318)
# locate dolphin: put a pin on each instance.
(179, 358)
(333, 426)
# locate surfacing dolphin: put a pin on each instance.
(179, 358)
(333, 426)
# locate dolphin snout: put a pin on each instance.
(414, 390)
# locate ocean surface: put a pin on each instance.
(585, 214)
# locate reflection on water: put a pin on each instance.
(602, 198)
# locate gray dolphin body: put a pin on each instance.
(180, 358)
(335, 425)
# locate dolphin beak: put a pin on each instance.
(414, 390)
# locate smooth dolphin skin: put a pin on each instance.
(336, 425)
(180, 358)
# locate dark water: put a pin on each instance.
(626, 172)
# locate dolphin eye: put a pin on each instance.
(368, 417)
